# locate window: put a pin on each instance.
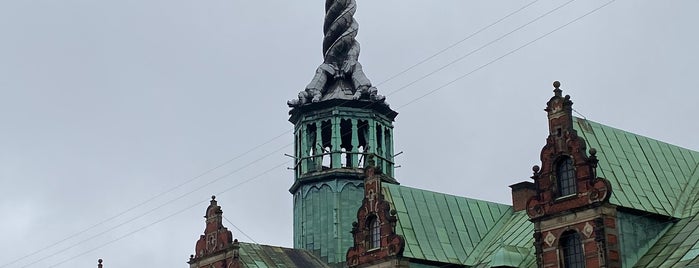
(572, 251)
(565, 176)
(374, 233)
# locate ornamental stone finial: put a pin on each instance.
(340, 73)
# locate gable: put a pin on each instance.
(646, 174)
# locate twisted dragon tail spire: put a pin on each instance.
(340, 31)
(340, 76)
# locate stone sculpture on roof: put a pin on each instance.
(340, 76)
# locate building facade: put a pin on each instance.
(601, 197)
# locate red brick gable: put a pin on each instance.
(563, 142)
(374, 208)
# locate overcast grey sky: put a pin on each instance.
(107, 104)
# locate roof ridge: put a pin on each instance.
(646, 174)
(488, 240)
(635, 134)
(454, 195)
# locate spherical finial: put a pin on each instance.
(99, 261)
(213, 197)
(536, 168)
(394, 212)
(593, 151)
(556, 84)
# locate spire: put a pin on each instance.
(340, 76)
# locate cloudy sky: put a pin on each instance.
(119, 119)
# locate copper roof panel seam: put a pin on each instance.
(462, 232)
(647, 150)
(450, 225)
(593, 142)
(689, 197)
(665, 166)
(619, 173)
(674, 166)
(409, 233)
(685, 166)
(489, 239)
(418, 227)
(432, 214)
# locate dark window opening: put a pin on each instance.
(565, 176)
(571, 250)
(310, 150)
(326, 143)
(374, 239)
(346, 142)
(363, 135)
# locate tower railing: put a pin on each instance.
(348, 160)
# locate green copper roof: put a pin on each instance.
(444, 228)
(513, 243)
(323, 216)
(678, 247)
(262, 256)
(637, 234)
(646, 174)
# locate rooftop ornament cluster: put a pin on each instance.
(340, 76)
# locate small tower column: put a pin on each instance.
(354, 156)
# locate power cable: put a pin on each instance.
(479, 48)
(506, 54)
(159, 207)
(239, 230)
(163, 218)
(457, 43)
(253, 148)
(146, 201)
(410, 102)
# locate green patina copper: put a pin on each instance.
(443, 228)
(646, 174)
(637, 233)
(655, 184)
(262, 256)
(333, 139)
(678, 247)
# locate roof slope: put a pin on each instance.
(513, 244)
(263, 256)
(445, 228)
(678, 247)
(646, 174)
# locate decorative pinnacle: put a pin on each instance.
(557, 89)
(99, 263)
(593, 151)
(213, 198)
(536, 169)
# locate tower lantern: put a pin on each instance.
(339, 120)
